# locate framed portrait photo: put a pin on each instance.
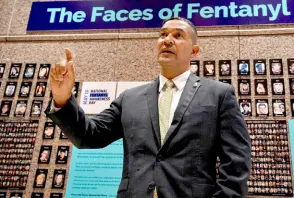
(44, 71)
(290, 63)
(2, 69)
(195, 67)
(40, 178)
(245, 107)
(56, 195)
(262, 107)
(62, 155)
(276, 66)
(259, 66)
(279, 108)
(243, 67)
(209, 68)
(20, 108)
(49, 130)
(15, 70)
(29, 71)
(278, 87)
(260, 87)
(40, 89)
(37, 195)
(16, 195)
(228, 81)
(225, 68)
(25, 89)
(5, 108)
(36, 108)
(244, 87)
(10, 89)
(58, 178)
(45, 154)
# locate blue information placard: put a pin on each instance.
(116, 14)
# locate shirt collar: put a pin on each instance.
(179, 81)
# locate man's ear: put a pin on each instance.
(195, 50)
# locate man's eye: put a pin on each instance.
(162, 34)
(179, 35)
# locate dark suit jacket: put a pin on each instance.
(207, 123)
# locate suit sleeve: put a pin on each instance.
(235, 150)
(85, 132)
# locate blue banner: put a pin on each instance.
(116, 14)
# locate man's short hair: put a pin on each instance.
(194, 36)
(261, 104)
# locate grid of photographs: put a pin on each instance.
(17, 140)
(271, 169)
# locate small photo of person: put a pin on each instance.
(40, 178)
(262, 108)
(55, 195)
(16, 195)
(278, 87)
(195, 67)
(279, 107)
(276, 66)
(37, 195)
(2, 69)
(62, 136)
(62, 154)
(290, 66)
(5, 107)
(229, 81)
(20, 108)
(75, 89)
(259, 67)
(10, 89)
(58, 179)
(44, 71)
(40, 89)
(243, 67)
(225, 67)
(45, 153)
(209, 68)
(25, 88)
(291, 85)
(29, 71)
(49, 129)
(36, 108)
(260, 87)
(15, 70)
(244, 87)
(245, 107)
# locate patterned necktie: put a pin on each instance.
(164, 109)
(164, 113)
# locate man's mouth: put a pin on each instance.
(167, 52)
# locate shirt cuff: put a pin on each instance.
(53, 108)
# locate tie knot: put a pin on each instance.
(169, 84)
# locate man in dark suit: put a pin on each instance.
(173, 128)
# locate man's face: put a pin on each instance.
(62, 154)
(246, 108)
(59, 179)
(262, 109)
(45, 154)
(174, 46)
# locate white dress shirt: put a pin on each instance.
(180, 82)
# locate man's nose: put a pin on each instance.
(168, 40)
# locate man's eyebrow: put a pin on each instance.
(172, 29)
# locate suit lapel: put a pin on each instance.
(152, 100)
(190, 89)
